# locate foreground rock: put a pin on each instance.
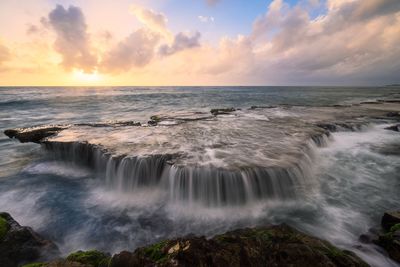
(388, 237)
(390, 219)
(265, 246)
(19, 244)
(390, 240)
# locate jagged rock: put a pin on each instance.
(390, 241)
(35, 134)
(389, 219)
(221, 111)
(393, 114)
(278, 245)
(389, 238)
(39, 133)
(395, 128)
(19, 244)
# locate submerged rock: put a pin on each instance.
(19, 244)
(278, 245)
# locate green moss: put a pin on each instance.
(155, 118)
(155, 252)
(92, 257)
(335, 252)
(394, 228)
(35, 264)
(3, 227)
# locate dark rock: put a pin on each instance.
(262, 107)
(390, 239)
(392, 149)
(371, 102)
(392, 114)
(328, 126)
(392, 101)
(35, 134)
(222, 111)
(372, 236)
(38, 134)
(19, 244)
(391, 242)
(263, 246)
(389, 219)
(152, 123)
(395, 128)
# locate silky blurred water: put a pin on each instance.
(68, 204)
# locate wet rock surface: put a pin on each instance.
(388, 237)
(278, 245)
(34, 134)
(390, 219)
(20, 244)
(395, 128)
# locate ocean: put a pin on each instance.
(265, 161)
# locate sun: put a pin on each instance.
(81, 76)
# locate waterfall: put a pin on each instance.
(207, 185)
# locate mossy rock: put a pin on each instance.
(35, 264)
(91, 257)
(395, 227)
(278, 245)
(155, 118)
(155, 252)
(4, 227)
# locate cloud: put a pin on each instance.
(72, 39)
(205, 19)
(136, 50)
(352, 42)
(157, 22)
(181, 42)
(139, 48)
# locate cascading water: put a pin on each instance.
(206, 185)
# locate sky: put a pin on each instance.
(199, 42)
